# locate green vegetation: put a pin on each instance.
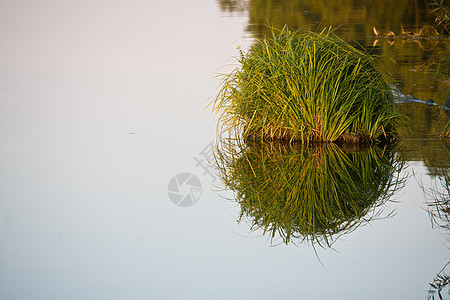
(446, 132)
(313, 192)
(442, 13)
(307, 86)
(411, 61)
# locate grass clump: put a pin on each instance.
(306, 86)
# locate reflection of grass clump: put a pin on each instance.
(306, 192)
(308, 87)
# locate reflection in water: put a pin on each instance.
(438, 196)
(440, 284)
(438, 207)
(355, 18)
(439, 210)
(307, 192)
(431, 151)
(233, 5)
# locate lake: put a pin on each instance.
(106, 126)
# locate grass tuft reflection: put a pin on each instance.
(313, 193)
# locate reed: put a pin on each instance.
(306, 86)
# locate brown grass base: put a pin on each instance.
(354, 139)
(346, 138)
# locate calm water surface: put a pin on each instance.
(102, 104)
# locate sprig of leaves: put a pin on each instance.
(442, 13)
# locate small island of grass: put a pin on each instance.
(307, 86)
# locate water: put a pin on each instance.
(102, 104)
